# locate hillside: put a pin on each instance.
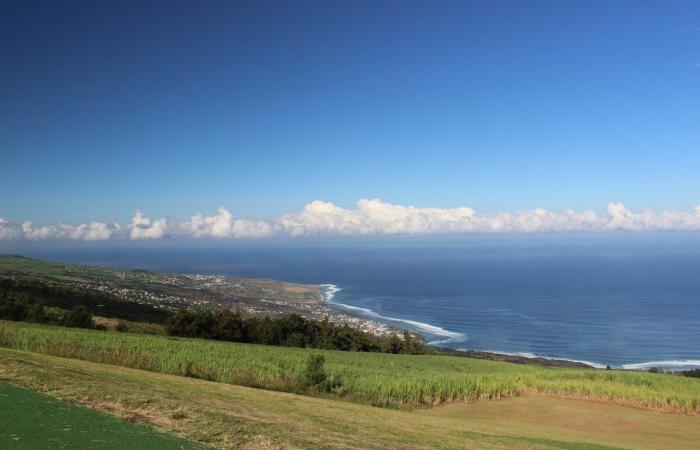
(242, 395)
(227, 416)
(164, 290)
(375, 378)
(152, 295)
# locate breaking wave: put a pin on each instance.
(683, 364)
(534, 356)
(445, 336)
(451, 337)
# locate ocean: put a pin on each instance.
(628, 300)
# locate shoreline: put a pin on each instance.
(328, 291)
(326, 294)
(172, 291)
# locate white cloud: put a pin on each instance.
(94, 231)
(29, 232)
(622, 218)
(369, 217)
(143, 228)
(8, 230)
(377, 217)
(224, 225)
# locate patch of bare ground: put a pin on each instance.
(580, 419)
(629, 403)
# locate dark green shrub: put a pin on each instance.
(36, 313)
(290, 331)
(78, 317)
(314, 375)
(695, 373)
(13, 311)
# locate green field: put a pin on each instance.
(35, 268)
(19, 266)
(379, 379)
(34, 421)
(227, 416)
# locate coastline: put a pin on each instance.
(328, 291)
(446, 336)
(375, 327)
(327, 294)
(172, 291)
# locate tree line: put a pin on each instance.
(67, 297)
(19, 306)
(288, 331)
(24, 300)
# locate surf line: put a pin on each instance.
(451, 337)
(682, 364)
(447, 337)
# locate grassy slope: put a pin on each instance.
(12, 266)
(380, 379)
(37, 269)
(28, 267)
(227, 416)
(69, 426)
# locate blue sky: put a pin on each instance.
(263, 107)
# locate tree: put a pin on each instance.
(292, 331)
(394, 344)
(410, 345)
(229, 326)
(78, 317)
(181, 323)
(13, 311)
(36, 313)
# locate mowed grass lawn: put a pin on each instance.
(33, 421)
(227, 416)
(379, 379)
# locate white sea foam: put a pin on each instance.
(671, 364)
(450, 337)
(329, 291)
(534, 356)
(685, 364)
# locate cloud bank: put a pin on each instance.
(93, 231)
(141, 227)
(370, 217)
(225, 225)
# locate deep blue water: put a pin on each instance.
(610, 299)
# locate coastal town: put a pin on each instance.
(173, 291)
